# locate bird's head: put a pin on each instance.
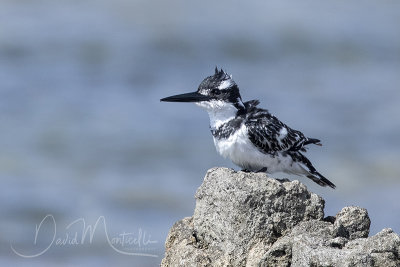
(215, 92)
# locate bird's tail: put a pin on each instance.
(312, 173)
(321, 180)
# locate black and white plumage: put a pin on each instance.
(251, 137)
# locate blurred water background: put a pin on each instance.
(83, 134)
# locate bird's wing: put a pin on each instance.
(270, 135)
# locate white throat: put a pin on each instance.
(220, 112)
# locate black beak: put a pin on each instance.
(189, 97)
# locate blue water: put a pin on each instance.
(84, 136)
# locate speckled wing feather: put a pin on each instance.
(270, 135)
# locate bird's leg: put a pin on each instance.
(263, 169)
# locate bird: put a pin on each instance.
(251, 137)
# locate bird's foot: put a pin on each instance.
(262, 169)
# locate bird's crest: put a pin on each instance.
(221, 74)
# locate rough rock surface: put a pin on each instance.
(248, 219)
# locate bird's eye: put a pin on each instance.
(215, 91)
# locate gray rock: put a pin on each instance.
(248, 219)
(184, 249)
(314, 244)
(352, 222)
(240, 211)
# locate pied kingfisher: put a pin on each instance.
(251, 137)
